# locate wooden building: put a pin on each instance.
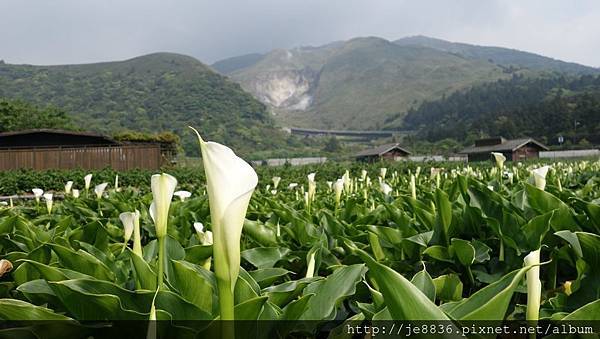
(41, 149)
(383, 152)
(513, 150)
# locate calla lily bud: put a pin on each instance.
(230, 182)
(330, 185)
(500, 159)
(534, 286)
(137, 237)
(312, 188)
(363, 175)
(310, 269)
(347, 182)
(539, 177)
(48, 199)
(99, 189)
(338, 187)
(117, 189)
(276, 181)
(88, 181)
(37, 193)
(182, 195)
(68, 187)
(163, 188)
(75, 193)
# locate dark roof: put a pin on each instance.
(506, 145)
(52, 137)
(380, 150)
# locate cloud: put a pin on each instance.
(77, 31)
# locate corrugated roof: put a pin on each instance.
(508, 145)
(380, 150)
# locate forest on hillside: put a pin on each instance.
(544, 108)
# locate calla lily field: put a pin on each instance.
(348, 242)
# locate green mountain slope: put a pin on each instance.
(150, 93)
(499, 55)
(370, 83)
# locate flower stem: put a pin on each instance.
(161, 261)
(225, 300)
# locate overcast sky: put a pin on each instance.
(80, 31)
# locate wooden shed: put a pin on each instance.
(41, 149)
(513, 150)
(383, 152)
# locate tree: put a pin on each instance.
(19, 115)
(332, 145)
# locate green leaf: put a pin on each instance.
(464, 251)
(194, 283)
(265, 257)
(404, 301)
(448, 287)
(13, 309)
(424, 283)
(83, 262)
(492, 301)
(588, 312)
(144, 274)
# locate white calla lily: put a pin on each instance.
(99, 189)
(382, 172)
(385, 188)
(88, 181)
(75, 193)
(413, 186)
(128, 221)
(363, 175)
(230, 182)
(68, 187)
(48, 198)
(539, 176)
(163, 186)
(338, 187)
(276, 181)
(182, 195)
(117, 189)
(37, 193)
(292, 185)
(500, 159)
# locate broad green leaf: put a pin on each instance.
(13, 309)
(423, 281)
(265, 257)
(448, 287)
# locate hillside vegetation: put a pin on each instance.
(152, 93)
(544, 108)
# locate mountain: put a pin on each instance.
(499, 55)
(545, 108)
(151, 93)
(370, 83)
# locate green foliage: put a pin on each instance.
(19, 115)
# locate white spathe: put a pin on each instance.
(338, 187)
(48, 198)
(539, 176)
(500, 159)
(385, 188)
(68, 187)
(88, 181)
(382, 172)
(163, 186)
(534, 285)
(230, 184)
(99, 189)
(276, 181)
(75, 193)
(182, 195)
(37, 193)
(128, 221)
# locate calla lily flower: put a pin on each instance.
(37, 193)
(312, 188)
(363, 175)
(539, 177)
(117, 189)
(276, 181)
(163, 187)
(385, 188)
(3, 203)
(330, 185)
(88, 181)
(182, 195)
(48, 198)
(347, 182)
(75, 193)
(68, 187)
(500, 159)
(413, 186)
(534, 286)
(230, 182)
(128, 221)
(292, 185)
(338, 187)
(99, 189)
(382, 172)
